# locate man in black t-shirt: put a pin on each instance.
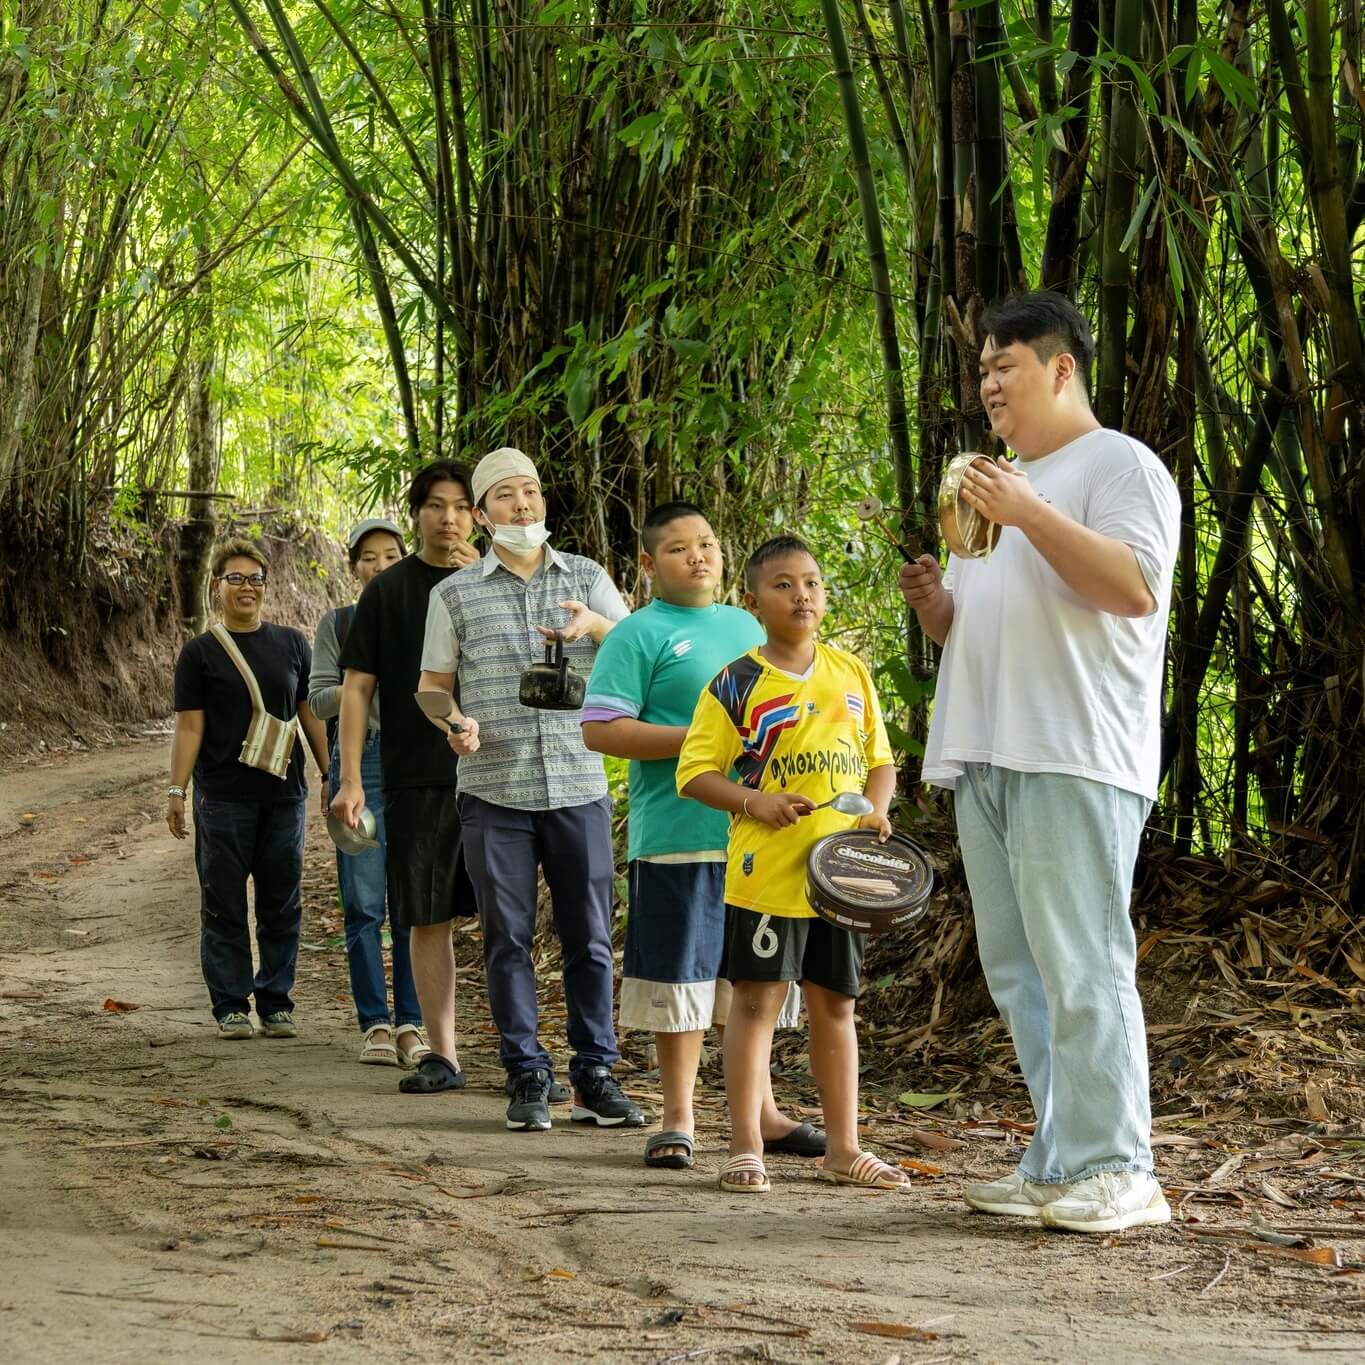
(248, 822)
(427, 883)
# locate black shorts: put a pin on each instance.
(424, 869)
(777, 948)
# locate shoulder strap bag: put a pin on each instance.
(269, 742)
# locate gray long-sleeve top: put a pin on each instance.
(324, 682)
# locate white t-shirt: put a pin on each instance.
(1035, 680)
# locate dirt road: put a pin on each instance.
(165, 1196)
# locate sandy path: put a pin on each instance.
(164, 1196)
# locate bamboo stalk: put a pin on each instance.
(898, 425)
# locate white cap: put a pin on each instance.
(504, 463)
(363, 528)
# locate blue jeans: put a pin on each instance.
(1049, 862)
(263, 840)
(361, 877)
(572, 846)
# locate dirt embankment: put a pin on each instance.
(87, 652)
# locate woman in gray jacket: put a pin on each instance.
(373, 546)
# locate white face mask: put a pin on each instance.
(521, 540)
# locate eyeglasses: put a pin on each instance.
(257, 580)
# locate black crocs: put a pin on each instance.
(803, 1140)
(433, 1075)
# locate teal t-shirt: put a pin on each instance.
(653, 667)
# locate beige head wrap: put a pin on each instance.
(505, 463)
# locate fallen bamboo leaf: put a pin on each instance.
(559, 1273)
(919, 1167)
(1263, 1232)
(1328, 1256)
(1314, 1102)
(921, 1099)
(1276, 1195)
(119, 1006)
(1225, 1170)
(935, 1142)
(901, 1331)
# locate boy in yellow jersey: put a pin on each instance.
(796, 722)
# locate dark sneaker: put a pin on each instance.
(530, 1108)
(559, 1092)
(235, 1026)
(279, 1025)
(599, 1099)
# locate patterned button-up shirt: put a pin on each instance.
(481, 626)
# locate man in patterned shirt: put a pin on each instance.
(530, 792)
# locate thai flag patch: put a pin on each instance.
(855, 704)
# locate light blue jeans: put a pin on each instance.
(1049, 862)
(362, 879)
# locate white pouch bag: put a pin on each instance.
(269, 742)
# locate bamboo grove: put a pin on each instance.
(730, 251)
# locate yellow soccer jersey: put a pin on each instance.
(776, 733)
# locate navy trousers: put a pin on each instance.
(573, 847)
(263, 840)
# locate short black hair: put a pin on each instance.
(426, 478)
(663, 515)
(771, 549)
(1048, 323)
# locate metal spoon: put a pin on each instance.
(437, 705)
(848, 803)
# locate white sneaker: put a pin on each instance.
(1109, 1202)
(1013, 1195)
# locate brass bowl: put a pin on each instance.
(966, 532)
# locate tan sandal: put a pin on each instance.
(410, 1056)
(868, 1172)
(744, 1163)
(378, 1054)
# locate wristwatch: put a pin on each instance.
(176, 791)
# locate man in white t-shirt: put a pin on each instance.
(1046, 726)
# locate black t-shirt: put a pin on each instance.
(386, 639)
(207, 680)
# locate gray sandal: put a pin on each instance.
(674, 1161)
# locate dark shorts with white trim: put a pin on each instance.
(780, 948)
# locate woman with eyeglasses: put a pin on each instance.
(241, 694)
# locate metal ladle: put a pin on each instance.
(870, 509)
(437, 706)
(848, 803)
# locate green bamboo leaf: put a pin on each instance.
(1192, 74)
(922, 1099)
(577, 392)
(1141, 212)
(1238, 88)
(636, 131)
(1174, 262)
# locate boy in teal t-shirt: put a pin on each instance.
(643, 690)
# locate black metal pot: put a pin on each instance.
(553, 685)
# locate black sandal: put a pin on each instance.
(674, 1161)
(433, 1075)
(804, 1140)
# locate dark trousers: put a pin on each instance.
(263, 840)
(573, 848)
